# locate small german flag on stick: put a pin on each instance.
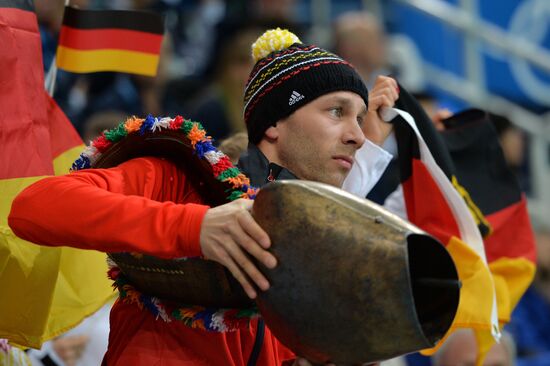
(110, 40)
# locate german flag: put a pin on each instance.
(110, 40)
(481, 168)
(44, 291)
(433, 202)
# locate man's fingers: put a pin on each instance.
(252, 228)
(228, 235)
(246, 264)
(379, 101)
(386, 90)
(252, 247)
(239, 275)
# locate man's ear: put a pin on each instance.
(272, 133)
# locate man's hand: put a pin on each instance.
(228, 234)
(383, 94)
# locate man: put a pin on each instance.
(306, 114)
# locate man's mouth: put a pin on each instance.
(345, 161)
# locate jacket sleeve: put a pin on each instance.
(113, 210)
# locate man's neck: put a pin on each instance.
(260, 169)
(268, 150)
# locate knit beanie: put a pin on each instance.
(288, 75)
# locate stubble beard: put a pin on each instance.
(306, 162)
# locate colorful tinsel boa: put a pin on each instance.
(198, 317)
(211, 319)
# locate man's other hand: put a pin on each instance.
(228, 234)
(383, 94)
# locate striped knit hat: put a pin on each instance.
(288, 75)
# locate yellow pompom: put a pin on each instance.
(273, 40)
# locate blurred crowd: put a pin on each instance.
(204, 65)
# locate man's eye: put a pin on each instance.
(360, 120)
(336, 112)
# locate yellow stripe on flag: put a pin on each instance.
(512, 277)
(132, 62)
(44, 298)
(474, 308)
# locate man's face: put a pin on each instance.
(318, 141)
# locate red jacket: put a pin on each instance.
(145, 205)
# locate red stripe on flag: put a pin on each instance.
(426, 205)
(512, 234)
(110, 38)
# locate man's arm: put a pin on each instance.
(121, 210)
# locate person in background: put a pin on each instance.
(530, 323)
(513, 143)
(460, 349)
(101, 121)
(219, 105)
(234, 146)
(359, 38)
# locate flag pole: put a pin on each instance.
(51, 76)
(49, 80)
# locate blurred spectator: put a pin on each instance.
(219, 105)
(530, 324)
(430, 106)
(84, 345)
(193, 36)
(272, 13)
(234, 146)
(101, 121)
(512, 141)
(273, 10)
(460, 349)
(359, 38)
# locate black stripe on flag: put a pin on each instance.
(18, 4)
(480, 166)
(143, 21)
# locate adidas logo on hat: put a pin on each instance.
(295, 97)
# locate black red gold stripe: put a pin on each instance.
(110, 38)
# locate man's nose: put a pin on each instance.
(354, 135)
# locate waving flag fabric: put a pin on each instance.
(481, 168)
(43, 291)
(496, 269)
(433, 203)
(110, 40)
